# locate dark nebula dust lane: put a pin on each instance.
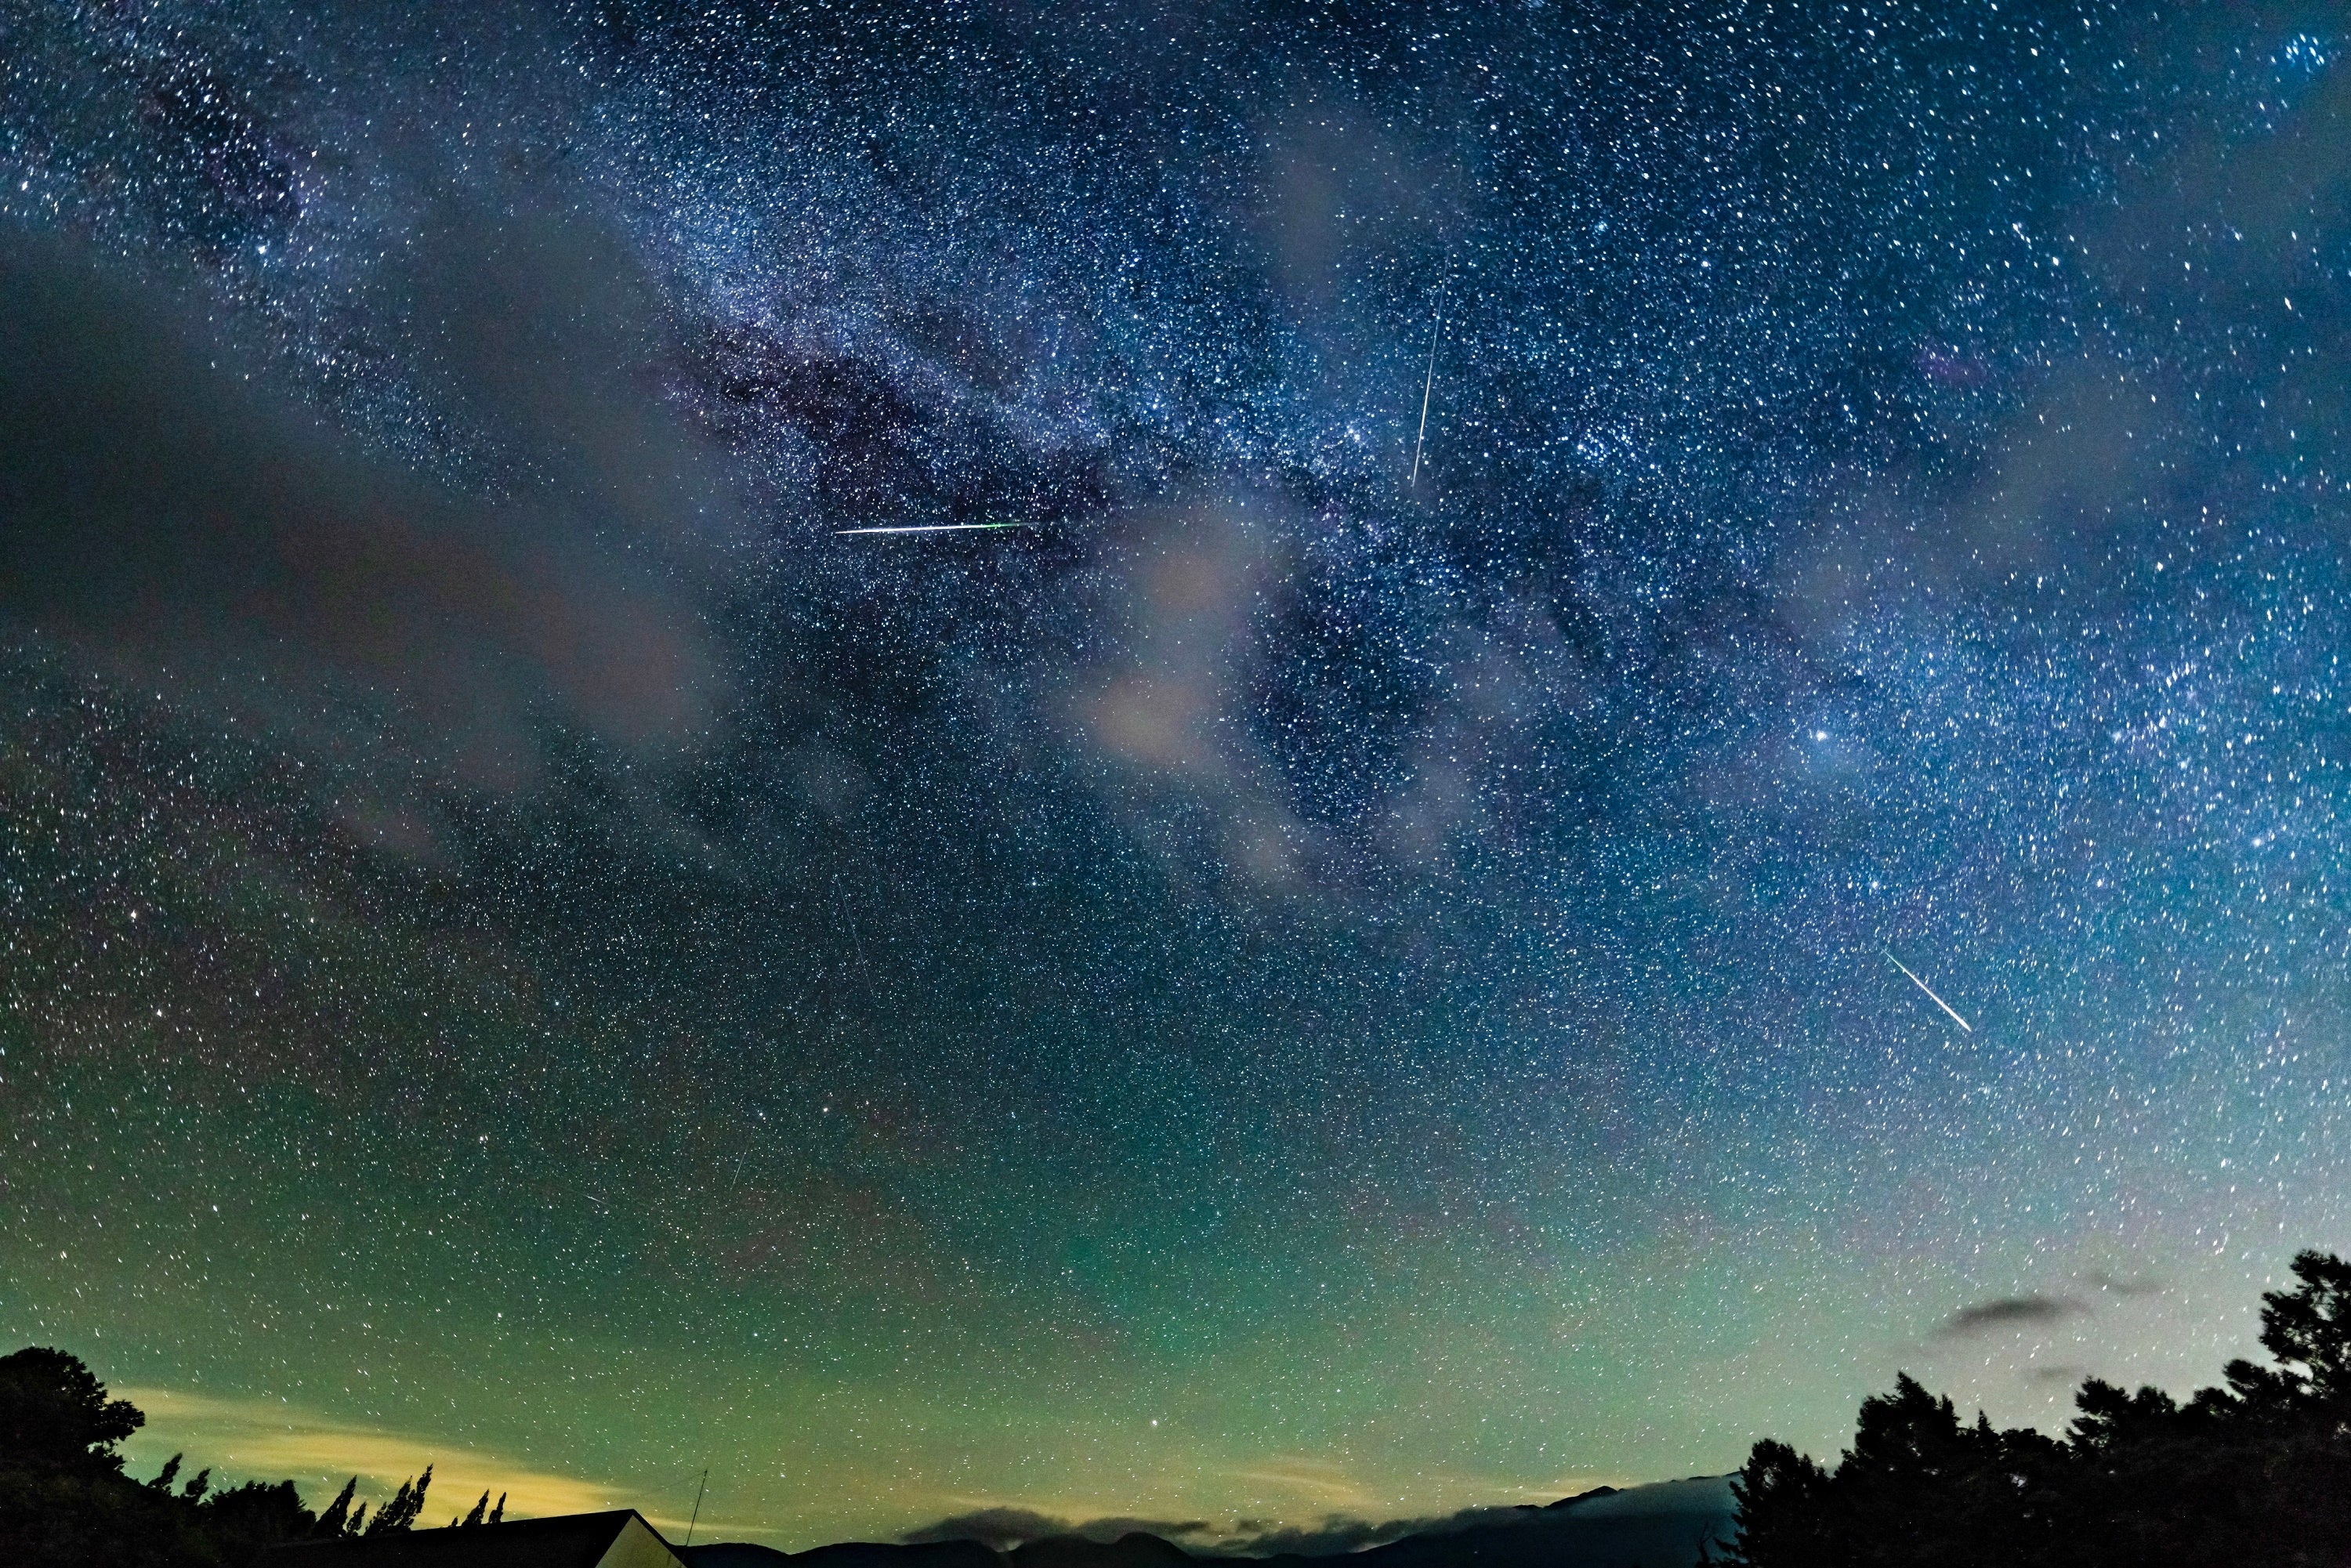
(1158, 761)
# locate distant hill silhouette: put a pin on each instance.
(1659, 1526)
(1134, 1550)
(743, 1554)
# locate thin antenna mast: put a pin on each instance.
(696, 1518)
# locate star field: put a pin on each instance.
(1272, 989)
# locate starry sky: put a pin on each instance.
(1275, 989)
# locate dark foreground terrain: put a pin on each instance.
(2251, 1475)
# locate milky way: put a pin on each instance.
(1275, 987)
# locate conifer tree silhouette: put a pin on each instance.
(338, 1516)
(2256, 1472)
(406, 1503)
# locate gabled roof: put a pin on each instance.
(621, 1539)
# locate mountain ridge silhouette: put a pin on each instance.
(1661, 1525)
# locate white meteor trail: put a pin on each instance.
(929, 529)
(1427, 385)
(1931, 992)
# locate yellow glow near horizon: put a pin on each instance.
(249, 1438)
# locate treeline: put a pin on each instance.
(2253, 1475)
(2249, 1476)
(66, 1502)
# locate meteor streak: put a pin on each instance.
(1427, 385)
(928, 528)
(1931, 992)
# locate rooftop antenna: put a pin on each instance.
(1429, 381)
(697, 1517)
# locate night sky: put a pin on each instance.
(1272, 989)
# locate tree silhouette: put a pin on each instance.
(2308, 1329)
(242, 1520)
(2257, 1472)
(55, 1416)
(401, 1512)
(337, 1515)
(65, 1501)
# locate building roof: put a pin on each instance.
(621, 1539)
